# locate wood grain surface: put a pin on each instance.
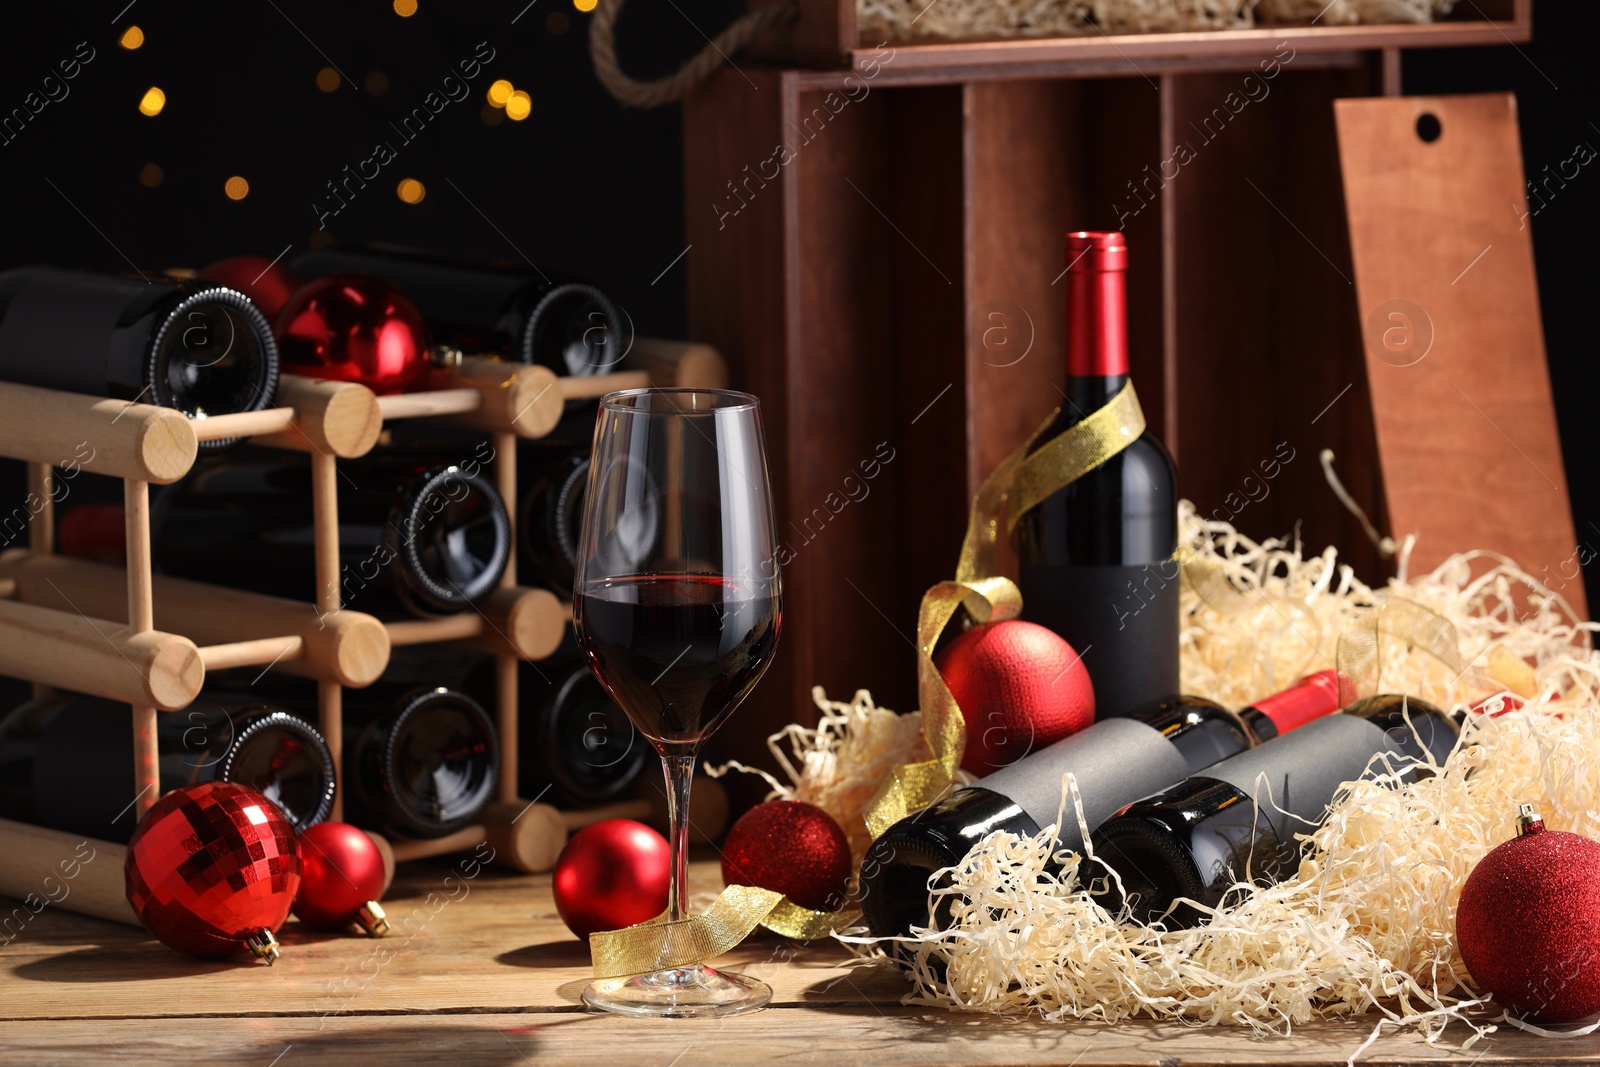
(1449, 307)
(492, 977)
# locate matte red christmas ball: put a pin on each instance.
(341, 879)
(1528, 923)
(613, 873)
(1020, 687)
(213, 868)
(352, 328)
(269, 284)
(789, 847)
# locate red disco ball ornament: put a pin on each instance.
(793, 848)
(213, 868)
(1528, 923)
(265, 282)
(352, 328)
(1020, 687)
(613, 873)
(341, 879)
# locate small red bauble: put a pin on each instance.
(789, 847)
(213, 868)
(613, 873)
(352, 328)
(265, 282)
(1528, 923)
(1019, 686)
(341, 879)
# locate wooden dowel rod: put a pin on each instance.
(680, 364)
(429, 402)
(8, 588)
(142, 620)
(47, 868)
(601, 384)
(98, 656)
(42, 527)
(112, 437)
(513, 397)
(468, 624)
(422, 848)
(42, 531)
(330, 720)
(505, 722)
(347, 646)
(331, 418)
(244, 424)
(526, 623)
(505, 480)
(257, 653)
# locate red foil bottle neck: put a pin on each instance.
(1310, 698)
(1097, 304)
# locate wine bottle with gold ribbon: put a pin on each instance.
(1096, 553)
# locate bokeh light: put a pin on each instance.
(151, 175)
(585, 5)
(377, 82)
(153, 101)
(411, 191)
(405, 8)
(519, 106)
(499, 92)
(327, 79)
(236, 188)
(131, 38)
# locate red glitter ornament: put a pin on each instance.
(352, 328)
(269, 284)
(613, 873)
(1019, 686)
(341, 879)
(213, 868)
(789, 847)
(1528, 923)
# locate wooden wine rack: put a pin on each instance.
(83, 626)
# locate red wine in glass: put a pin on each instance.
(678, 651)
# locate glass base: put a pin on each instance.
(683, 993)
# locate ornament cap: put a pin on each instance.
(1529, 821)
(446, 356)
(263, 945)
(372, 919)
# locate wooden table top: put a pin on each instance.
(492, 977)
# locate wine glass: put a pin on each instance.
(677, 605)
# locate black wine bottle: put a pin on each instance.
(416, 535)
(551, 512)
(1096, 557)
(533, 316)
(1237, 822)
(1115, 761)
(418, 761)
(196, 346)
(574, 740)
(1310, 698)
(67, 760)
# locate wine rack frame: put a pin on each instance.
(46, 636)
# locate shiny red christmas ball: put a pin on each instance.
(1020, 687)
(213, 868)
(789, 847)
(352, 328)
(267, 283)
(1528, 923)
(613, 873)
(341, 878)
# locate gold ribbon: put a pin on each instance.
(1359, 654)
(1022, 480)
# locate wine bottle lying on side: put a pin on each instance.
(529, 316)
(195, 346)
(1237, 822)
(424, 536)
(67, 760)
(1115, 761)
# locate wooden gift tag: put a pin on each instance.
(1454, 345)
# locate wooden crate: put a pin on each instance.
(875, 243)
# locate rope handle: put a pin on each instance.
(603, 51)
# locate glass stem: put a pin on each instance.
(680, 775)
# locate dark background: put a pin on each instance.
(584, 183)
